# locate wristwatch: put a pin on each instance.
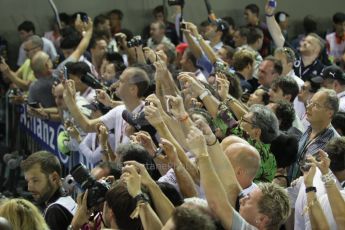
(141, 198)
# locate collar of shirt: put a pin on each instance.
(339, 39)
(341, 94)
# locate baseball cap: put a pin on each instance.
(333, 72)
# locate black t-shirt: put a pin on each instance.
(305, 72)
(57, 216)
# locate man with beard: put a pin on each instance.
(42, 171)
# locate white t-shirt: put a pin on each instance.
(303, 221)
(341, 97)
(113, 121)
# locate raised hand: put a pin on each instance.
(153, 115)
(175, 105)
(145, 140)
(133, 180)
(103, 97)
(145, 176)
(223, 88)
(309, 175)
(324, 162)
(210, 137)
(171, 155)
(196, 142)
(192, 85)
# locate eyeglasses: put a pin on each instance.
(28, 50)
(316, 105)
(245, 120)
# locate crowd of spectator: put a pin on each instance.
(210, 126)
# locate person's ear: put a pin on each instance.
(55, 177)
(287, 97)
(257, 133)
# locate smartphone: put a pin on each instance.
(65, 73)
(183, 26)
(34, 104)
(272, 3)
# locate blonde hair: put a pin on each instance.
(22, 215)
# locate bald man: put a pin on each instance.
(40, 91)
(245, 160)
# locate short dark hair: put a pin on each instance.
(136, 152)
(338, 122)
(185, 218)
(277, 64)
(254, 34)
(288, 85)
(242, 58)
(338, 18)
(77, 68)
(253, 8)
(336, 153)
(171, 193)
(100, 19)
(309, 24)
(70, 41)
(48, 161)
(122, 204)
(27, 26)
(285, 114)
(117, 12)
(229, 51)
(158, 9)
(284, 149)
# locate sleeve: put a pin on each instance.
(21, 55)
(238, 223)
(50, 48)
(109, 118)
(85, 149)
(205, 64)
(57, 217)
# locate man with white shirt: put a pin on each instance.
(132, 85)
(336, 152)
(27, 29)
(334, 78)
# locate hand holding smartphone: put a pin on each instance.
(272, 3)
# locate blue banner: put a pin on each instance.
(45, 133)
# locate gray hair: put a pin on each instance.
(332, 101)
(36, 41)
(264, 119)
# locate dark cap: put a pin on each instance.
(221, 25)
(333, 72)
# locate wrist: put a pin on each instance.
(310, 189)
(203, 94)
(269, 15)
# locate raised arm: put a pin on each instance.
(84, 43)
(335, 198)
(317, 217)
(14, 77)
(69, 97)
(184, 180)
(221, 163)
(153, 116)
(273, 26)
(214, 191)
(148, 217)
(193, 45)
(164, 207)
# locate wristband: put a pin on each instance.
(213, 142)
(310, 189)
(199, 38)
(269, 15)
(204, 94)
(327, 178)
